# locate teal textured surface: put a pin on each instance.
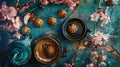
(87, 7)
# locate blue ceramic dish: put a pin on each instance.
(81, 32)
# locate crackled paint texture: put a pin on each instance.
(87, 7)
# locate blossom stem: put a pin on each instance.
(98, 11)
(98, 4)
(29, 11)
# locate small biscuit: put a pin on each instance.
(38, 22)
(62, 13)
(26, 30)
(52, 21)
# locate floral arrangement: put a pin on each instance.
(9, 14)
(70, 3)
(98, 40)
(102, 16)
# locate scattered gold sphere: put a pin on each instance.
(38, 22)
(26, 30)
(62, 13)
(52, 21)
(73, 28)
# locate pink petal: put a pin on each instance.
(106, 11)
(104, 57)
(105, 20)
(44, 2)
(71, 4)
(17, 35)
(101, 14)
(11, 12)
(16, 23)
(22, 9)
(26, 18)
(95, 17)
(2, 16)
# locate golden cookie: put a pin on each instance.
(38, 22)
(73, 28)
(52, 21)
(62, 13)
(26, 30)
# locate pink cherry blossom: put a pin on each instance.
(3, 7)
(3, 11)
(95, 16)
(106, 11)
(44, 2)
(51, 1)
(17, 35)
(86, 43)
(96, 40)
(71, 4)
(95, 54)
(90, 65)
(104, 57)
(11, 12)
(103, 52)
(82, 47)
(104, 20)
(16, 23)
(26, 18)
(22, 9)
(102, 63)
(60, 1)
(69, 65)
(99, 38)
(101, 14)
(106, 37)
(2, 16)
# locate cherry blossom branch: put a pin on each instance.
(29, 11)
(98, 11)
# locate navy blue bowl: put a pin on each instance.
(81, 32)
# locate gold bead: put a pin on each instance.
(26, 30)
(38, 22)
(52, 21)
(62, 13)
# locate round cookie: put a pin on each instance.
(25, 30)
(62, 13)
(52, 21)
(72, 28)
(38, 22)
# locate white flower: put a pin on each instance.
(104, 57)
(11, 13)
(95, 16)
(102, 64)
(99, 38)
(90, 65)
(26, 18)
(105, 20)
(106, 11)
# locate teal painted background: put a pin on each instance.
(87, 7)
